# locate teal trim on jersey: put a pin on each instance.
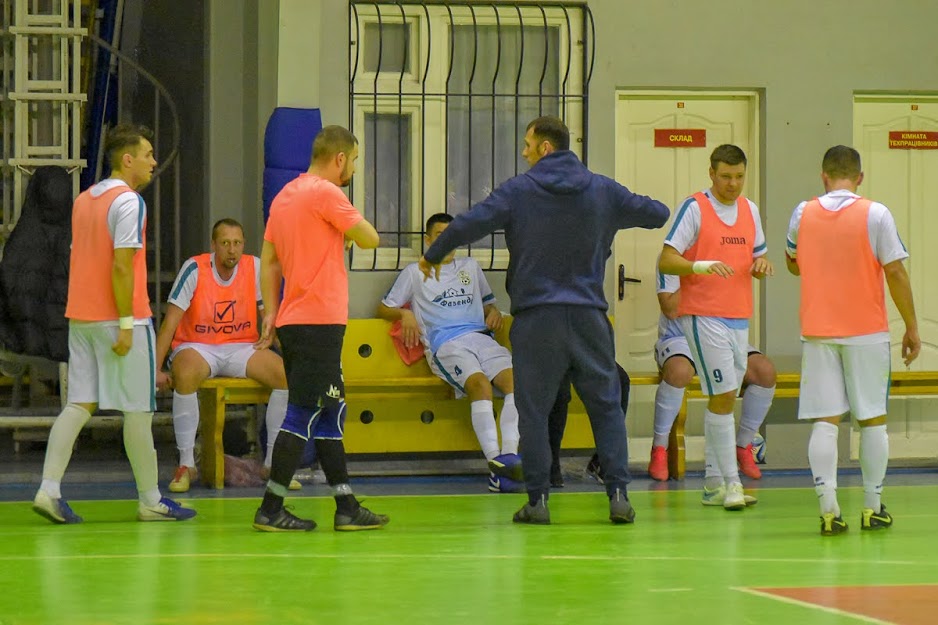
(761, 248)
(680, 215)
(902, 244)
(141, 213)
(661, 284)
(446, 374)
(792, 245)
(703, 365)
(488, 298)
(182, 280)
(152, 367)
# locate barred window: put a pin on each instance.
(440, 97)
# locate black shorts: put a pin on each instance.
(312, 358)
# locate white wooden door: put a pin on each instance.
(906, 181)
(668, 174)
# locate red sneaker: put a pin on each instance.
(747, 463)
(658, 467)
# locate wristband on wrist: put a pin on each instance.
(703, 266)
(126, 323)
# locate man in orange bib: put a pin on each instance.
(111, 361)
(209, 330)
(842, 245)
(716, 246)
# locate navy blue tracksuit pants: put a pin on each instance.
(548, 342)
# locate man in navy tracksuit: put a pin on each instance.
(559, 221)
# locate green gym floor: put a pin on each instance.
(457, 558)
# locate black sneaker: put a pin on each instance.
(556, 476)
(282, 521)
(364, 519)
(537, 514)
(832, 525)
(870, 520)
(595, 470)
(620, 510)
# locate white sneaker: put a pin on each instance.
(716, 497)
(165, 510)
(735, 498)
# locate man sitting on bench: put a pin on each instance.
(211, 325)
(454, 317)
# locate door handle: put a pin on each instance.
(622, 280)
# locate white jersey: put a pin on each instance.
(686, 226)
(881, 227)
(125, 216)
(187, 280)
(668, 328)
(447, 308)
(884, 238)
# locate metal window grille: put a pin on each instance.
(440, 95)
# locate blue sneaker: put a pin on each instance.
(165, 510)
(507, 465)
(498, 484)
(56, 510)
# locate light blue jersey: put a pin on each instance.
(445, 309)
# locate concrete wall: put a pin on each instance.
(808, 58)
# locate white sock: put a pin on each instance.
(138, 442)
(756, 403)
(276, 413)
(483, 422)
(186, 426)
(822, 456)
(874, 456)
(718, 430)
(667, 404)
(62, 439)
(712, 476)
(508, 420)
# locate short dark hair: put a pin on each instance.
(553, 130)
(226, 221)
(330, 141)
(729, 154)
(438, 218)
(841, 162)
(124, 138)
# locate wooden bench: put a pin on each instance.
(392, 408)
(787, 385)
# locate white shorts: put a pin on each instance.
(465, 355)
(836, 378)
(227, 360)
(677, 346)
(719, 353)
(96, 375)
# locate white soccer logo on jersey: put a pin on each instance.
(464, 277)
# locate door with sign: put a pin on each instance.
(897, 137)
(663, 146)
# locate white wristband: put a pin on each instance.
(126, 323)
(703, 266)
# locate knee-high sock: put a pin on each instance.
(138, 442)
(713, 478)
(822, 456)
(276, 411)
(667, 404)
(756, 403)
(874, 456)
(483, 422)
(62, 439)
(288, 450)
(186, 425)
(718, 430)
(508, 420)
